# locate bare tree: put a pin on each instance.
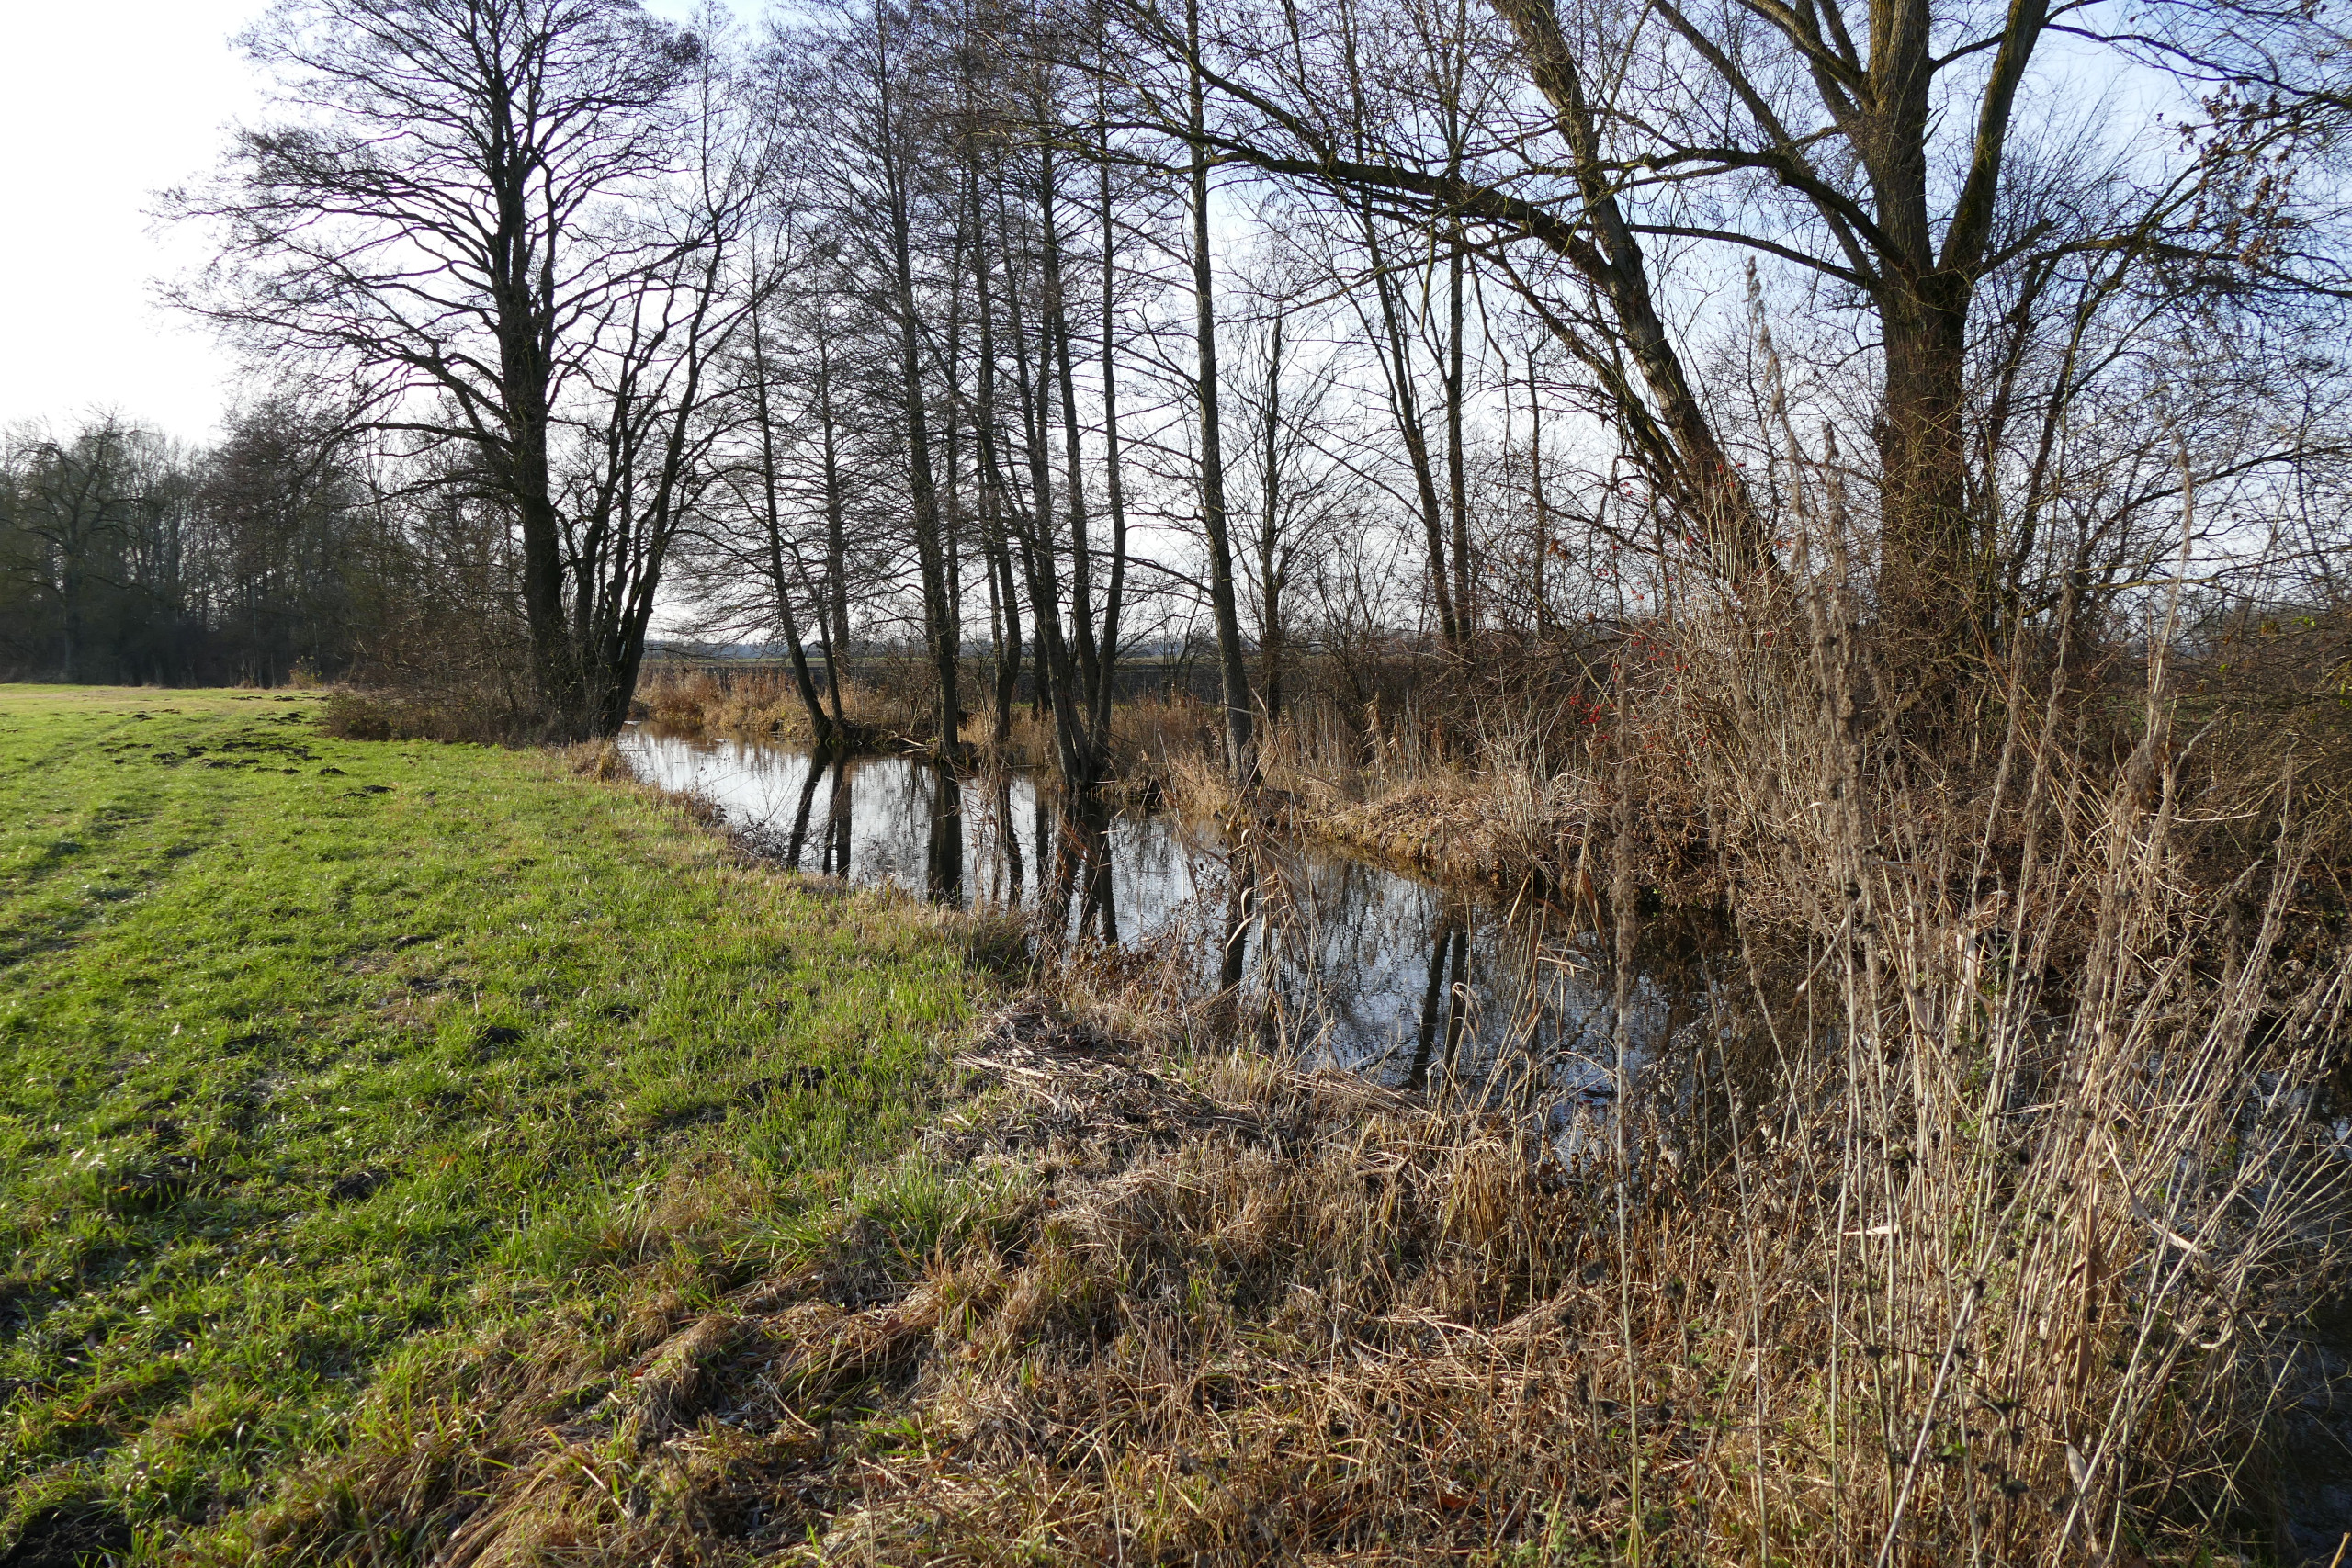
(449, 207)
(1240, 747)
(871, 102)
(1612, 164)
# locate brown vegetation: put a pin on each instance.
(1972, 1212)
(364, 714)
(1971, 1215)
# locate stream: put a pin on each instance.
(1353, 964)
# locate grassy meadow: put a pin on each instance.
(319, 1058)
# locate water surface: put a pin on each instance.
(1346, 961)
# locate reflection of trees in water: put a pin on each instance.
(1241, 912)
(1082, 869)
(1450, 997)
(839, 814)
(1331, 957)
(944, 852)
(996, 832)
(1386, 975)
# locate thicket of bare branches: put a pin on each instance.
(1032, 334)
(1876, 472)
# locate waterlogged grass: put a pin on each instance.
(318, 1059)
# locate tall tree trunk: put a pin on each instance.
(1398, 370)
(652, 452)
(1541, 541)
(952, 526)
(1089, 762)
(526, 370)
(1457, 466)
(1114, 599)
(1004, 598)
(1241, 744)
(820, 727)
(1058, 678)
(1271, 565)
(833, 608)
(939, 628)
(995, 503)
(1934, 593)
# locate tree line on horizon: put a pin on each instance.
(265, 558)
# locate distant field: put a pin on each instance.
(318, 1056)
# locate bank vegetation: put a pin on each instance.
(1870, 482)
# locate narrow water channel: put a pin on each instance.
(1350, 961)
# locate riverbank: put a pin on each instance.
(829, 1251)
(1386, 794)
(325, 1061)
(1147, 1298)
(1978, 1212)
(1454, 824)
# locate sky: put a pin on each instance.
(106, 102)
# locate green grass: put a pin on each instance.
(318, 1057)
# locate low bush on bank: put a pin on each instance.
(483, 719)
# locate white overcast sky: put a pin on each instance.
(102, 103)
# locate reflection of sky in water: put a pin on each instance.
(1359, 965)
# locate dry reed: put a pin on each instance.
(1901, 1254)
(1976, 1217)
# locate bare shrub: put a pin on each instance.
(455, 715)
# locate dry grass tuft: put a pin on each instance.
(598, 759)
